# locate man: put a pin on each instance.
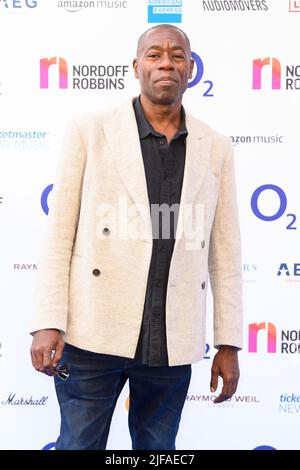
(124, 297)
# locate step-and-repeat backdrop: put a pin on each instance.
(63, 58)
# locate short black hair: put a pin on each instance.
(163, 26)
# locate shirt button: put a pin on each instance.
(106, 231)
(203, 244)
(96, 272)
(203, 285)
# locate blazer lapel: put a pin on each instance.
(123, 138)
(196, 164)
(122, 135)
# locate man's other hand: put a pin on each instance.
(225, 365)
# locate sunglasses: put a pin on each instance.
(63, 371)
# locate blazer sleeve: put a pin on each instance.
(51, 299)
(225, 266)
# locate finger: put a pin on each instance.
(222, 397)
(36, 358)
(214, 381)
(58, 354)
(228, 389)
(47, 362)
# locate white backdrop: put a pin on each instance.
(226, 36)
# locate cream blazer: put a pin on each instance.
(94, 264)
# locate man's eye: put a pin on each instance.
(178, 57)
(154, 56)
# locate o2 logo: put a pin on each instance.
(207, 348)
(44, 198)
(280, 194)
(199, 74)
(50, 446)
(264, 448)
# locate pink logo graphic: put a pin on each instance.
(294, 6)
(254, 328)
(258, 65)
(45, 65)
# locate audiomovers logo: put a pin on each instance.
(74, 6)
(294, 6)
(235, 5)
(24, 140)
(257, 139)
(272, 66)
(84, 77)
(288, 341)
(164, 11)
(18, 4)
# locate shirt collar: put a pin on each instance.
(145, 127)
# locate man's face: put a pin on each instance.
(163, 66)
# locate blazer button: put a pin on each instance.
(203, 285)
(203, 244)
(96, 272)
(106, 231)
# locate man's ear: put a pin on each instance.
(135, 68)
(192, 63)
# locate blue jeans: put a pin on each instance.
(88, 397)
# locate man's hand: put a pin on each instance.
(46, 350)
(225, 365)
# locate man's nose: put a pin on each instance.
(166, 62)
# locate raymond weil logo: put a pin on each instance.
(84, 77)
(270, 340)
(278, 77)
(164, 11)
(24, 267)
(207, 400)
(294, 6)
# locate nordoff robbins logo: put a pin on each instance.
(13, 399)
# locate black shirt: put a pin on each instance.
(164, 169)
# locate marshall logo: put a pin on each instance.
(13, 399)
